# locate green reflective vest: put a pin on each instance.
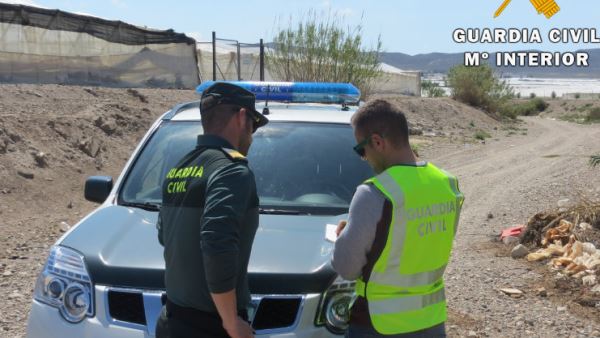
(405, 290)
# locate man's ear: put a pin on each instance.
(243, 116)
(378, 141)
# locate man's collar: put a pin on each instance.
(213, 141)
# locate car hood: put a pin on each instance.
(120, 245)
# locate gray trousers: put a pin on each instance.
(355, 331)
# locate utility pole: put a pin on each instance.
(214, 45)
(262, 60)
(239, 67)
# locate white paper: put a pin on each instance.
(330, 234)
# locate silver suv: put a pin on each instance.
(104, 278)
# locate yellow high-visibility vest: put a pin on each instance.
(405, 290)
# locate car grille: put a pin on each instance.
(276, 312)
(127, 307)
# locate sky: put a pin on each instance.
(407, 26)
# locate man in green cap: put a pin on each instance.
(208, 226)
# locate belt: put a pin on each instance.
(191, 314)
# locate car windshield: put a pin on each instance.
(307, 168)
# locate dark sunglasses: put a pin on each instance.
(255, 120)
(251, 116)
(360, 148)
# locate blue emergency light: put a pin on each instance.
(297, 92)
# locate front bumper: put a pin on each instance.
(46, 322)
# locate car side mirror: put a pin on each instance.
(97, 188)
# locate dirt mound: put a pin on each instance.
(51, 138)
(570, 109)
(444, 117)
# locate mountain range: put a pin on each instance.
(442, 62)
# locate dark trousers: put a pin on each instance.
(354, 331)
(179, 322)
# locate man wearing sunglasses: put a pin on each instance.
(208, 220)
(398, 237)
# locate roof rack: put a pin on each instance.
(181, 107)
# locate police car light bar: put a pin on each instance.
(297, 92)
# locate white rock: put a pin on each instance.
(589, 248)
(589, 280)
(585, 226)
(472, 334)
(15, 295)
(596, 289)
(519, 251)
(561, 308)
(509, 240)
(64, 226)
(563, 203)
(512, 292)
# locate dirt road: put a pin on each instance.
(512, 179)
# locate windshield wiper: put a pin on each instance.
(145, 205)
(281, 212)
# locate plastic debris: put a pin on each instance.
(512, 232)
(589, 280)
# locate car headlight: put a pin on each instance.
(65, 284)
(335, 306)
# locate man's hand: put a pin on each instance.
(340, 227)
(239, 329)
(235, 326)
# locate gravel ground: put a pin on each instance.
(514, 178)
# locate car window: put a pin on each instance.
(303, 167)
(169, 143)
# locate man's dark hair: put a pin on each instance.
(215, 119)
(381, 117)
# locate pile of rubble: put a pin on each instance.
(567, 254)
(568, 239)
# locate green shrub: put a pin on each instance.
(322, 48)
(532, 95)
(479, 87)
(585, 107)
(518, 95)
(595, 161)
(594, 115)
(529, 108)
(539, 104)
(553, 95)
(482, 135)
(432, 89)
(577, 96)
